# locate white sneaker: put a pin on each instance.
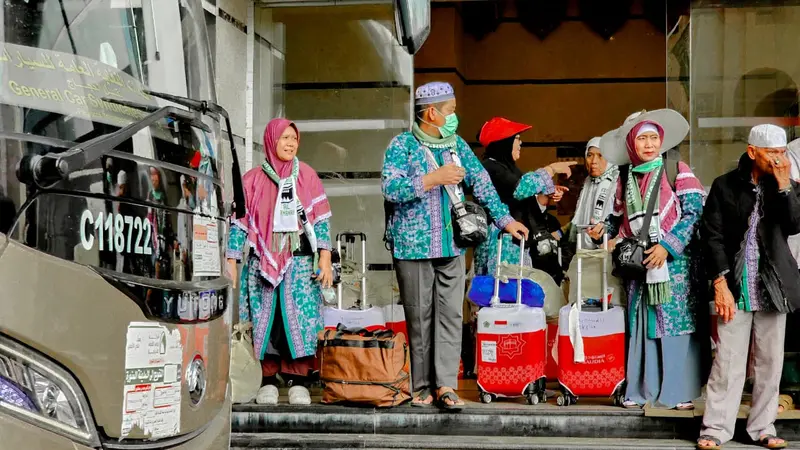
(267, 395)
(299, 395)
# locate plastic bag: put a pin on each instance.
(592, 281)
(481, 291)
(245, 369)
(553, 295)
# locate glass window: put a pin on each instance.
(744, 71)
(338, 72)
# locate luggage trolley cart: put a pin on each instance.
(356, 317)
(511, 344)
(602, 373)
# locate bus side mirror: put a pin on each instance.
(412, 21)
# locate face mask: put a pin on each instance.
(450, 125)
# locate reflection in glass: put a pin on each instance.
(743, 73)
(342, 77)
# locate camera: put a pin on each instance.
(545, 243)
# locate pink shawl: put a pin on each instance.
(669, 206)
(261, 194)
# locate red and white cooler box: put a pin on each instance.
(551, 368)
(602, 373)
(371, 319)
(511, 346)
(395, 318)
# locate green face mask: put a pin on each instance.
(450, 125)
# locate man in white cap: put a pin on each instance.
(749, 214)
(422, 169)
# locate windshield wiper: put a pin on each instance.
(36, 139)
(195, 122)
(50, 168)
(208, 108)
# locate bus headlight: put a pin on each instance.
(53, 401)
(36, 390)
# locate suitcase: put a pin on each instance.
(357, 317)
(510, 346)
(602, 329)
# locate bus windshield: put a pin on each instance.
(73, 71)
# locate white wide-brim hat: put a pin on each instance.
(613, 145)
(794, 146)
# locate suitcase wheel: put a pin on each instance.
(619, 399)
(533, 399)
(566, 400)
(487, 398)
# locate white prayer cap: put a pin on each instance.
(122, 177)
(767, 136)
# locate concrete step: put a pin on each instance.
(498, 419)
(252, 441)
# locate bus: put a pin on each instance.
(118, 173)
(115, 188)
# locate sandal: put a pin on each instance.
(685, 406)
(419, 399)
(764, 441)
(630, 404)
(453, 397)
(716, 446)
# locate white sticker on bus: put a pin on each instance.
(152, 388)
(116, 232)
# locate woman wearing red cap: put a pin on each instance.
(501, 139)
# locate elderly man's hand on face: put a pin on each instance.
(781, 170)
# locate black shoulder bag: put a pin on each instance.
(628, 255)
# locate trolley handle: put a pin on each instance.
(347, 235)
(496, 296)
(351, 234)
(584, 229)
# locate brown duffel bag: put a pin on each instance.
(360, 366)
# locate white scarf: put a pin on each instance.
(284, 219)
(596, 201)
(289, 213)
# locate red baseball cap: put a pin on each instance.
(499, 128)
